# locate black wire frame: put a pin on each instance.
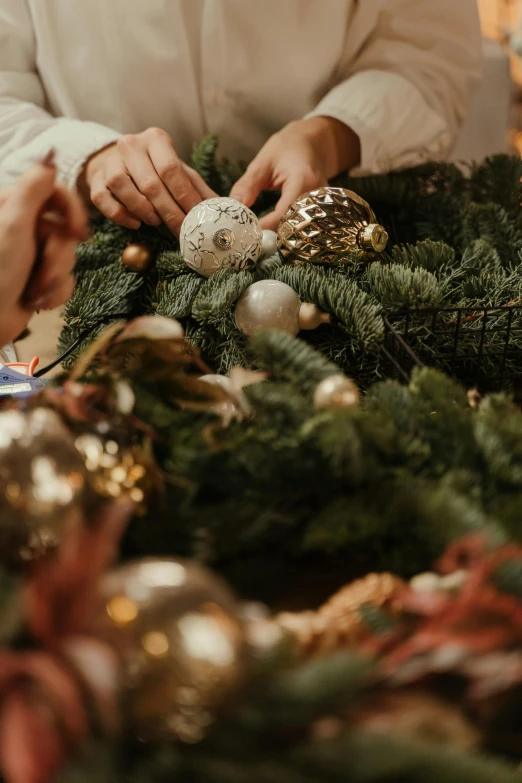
(480, 347)
(453, 347)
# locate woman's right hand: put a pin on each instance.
(141, 179)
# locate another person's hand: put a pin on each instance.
(40, 225)
(141, 179)
(301, 157)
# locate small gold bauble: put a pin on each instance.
(327, 225)
(42, 482)
(177, 629)
(337, 392)
(311, 317)
(137, 258)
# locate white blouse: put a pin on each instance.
(74, 74)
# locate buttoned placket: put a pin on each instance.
(214, 97)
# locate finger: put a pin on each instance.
(13, 322)
(60, 295)
(33, 190)
(199, 183)
(292, 190)
(57, 261)
(66, 209)
(254, 180)
(149, 184)
(123, 188)
(172, 173)
(105, 202)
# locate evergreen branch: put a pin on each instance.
(204, 162)
(340, 296)
(288, 359)
(220, 292)
(396, 286)
(175, 296)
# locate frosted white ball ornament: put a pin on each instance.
(269, 245)
(268, 304)
(220, 233)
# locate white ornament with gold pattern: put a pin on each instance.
(220, 233)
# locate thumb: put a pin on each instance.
(247, 189)
(35, 187)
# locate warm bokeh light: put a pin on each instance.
(122, 610)
(500, 18)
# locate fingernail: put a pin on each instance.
(154, 220)
(133, 224)
(49, 159)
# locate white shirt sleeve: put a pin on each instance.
(407, 90)
(27, 130)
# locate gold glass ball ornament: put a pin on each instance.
(136, 258)
(177, 629)
(337, 392)
(115, 469)
(42, 483)
(326, 225)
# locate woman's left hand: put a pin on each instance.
(40, 225)
(301, 157)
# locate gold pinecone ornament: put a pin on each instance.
(326, 225)
(340, 624)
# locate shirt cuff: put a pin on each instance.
(8, 354)
(86, 138)
(74, 143)
(396, 127)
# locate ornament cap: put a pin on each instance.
(374, 238)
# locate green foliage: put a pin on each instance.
(289, 360)
(358, 314)
(455, 242)
(266, 738)
(204, 161)
(217, 295)
(384, 486)
(397, 286)
(291, 496)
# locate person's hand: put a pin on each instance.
(40, 225)
(301, 157)
(141, 179)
